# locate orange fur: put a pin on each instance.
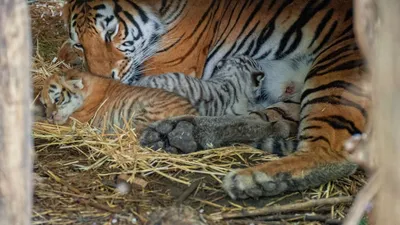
(111, 103)
(69, 54)
(188, 48)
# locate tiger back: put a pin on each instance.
(106, 103)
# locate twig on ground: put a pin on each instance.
(187, 192)
(297, 217)
(282, 208)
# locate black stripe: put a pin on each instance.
(248, 21)
(177, 13)
(282, 113)
(117, 10)
(141, 12)
(305, 138)
(321, 26)
(268, 30)
(306, 15)
(339, 122)
(271, 4)
(172, 45)
(352, 64)
(291, 102)
(349, 14)
(328, 58)
(164, 6)
(348, 29)
(109, 19)
(336, 100)
(320, 138)
(335, 84)
(99, 7)
(261, 114)
(338, 41)
(204, 31)
(310, 128)
(322, 65)
(98, 16)
(326, 38)
(203, 18)
(222, 43)
(249, 35)
(130, 18)
(244, 27)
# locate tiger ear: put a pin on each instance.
(76, 83)
(257, 78)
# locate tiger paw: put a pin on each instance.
(172, 135)
(242, 184)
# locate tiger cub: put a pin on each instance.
(230, 91)
(108, 103)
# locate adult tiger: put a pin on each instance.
(124, 38)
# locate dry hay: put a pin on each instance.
(85, 177)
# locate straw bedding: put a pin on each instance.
(85, 177)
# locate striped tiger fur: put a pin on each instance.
(106, 103)
(231, 90)
(129, 38)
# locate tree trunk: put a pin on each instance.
(378, 35)
(385, 68)
(15, 116)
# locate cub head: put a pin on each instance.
(62, 96)
(115, 37)
(246, 69)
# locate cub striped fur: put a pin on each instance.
(230, 91)
(108, 103)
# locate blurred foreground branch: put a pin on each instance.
(378, 35)
(15, 116)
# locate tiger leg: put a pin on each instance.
(287, 113)
(188, 134)
(333, 108)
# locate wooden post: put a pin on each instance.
(15, 116)
(385, 68)
(378, 35)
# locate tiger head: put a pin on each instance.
(62, 96)
(116, 37)
(246, 68)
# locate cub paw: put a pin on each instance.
(242, 184)
(173, 135)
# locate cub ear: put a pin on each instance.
(257, 77)
(76, 83)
